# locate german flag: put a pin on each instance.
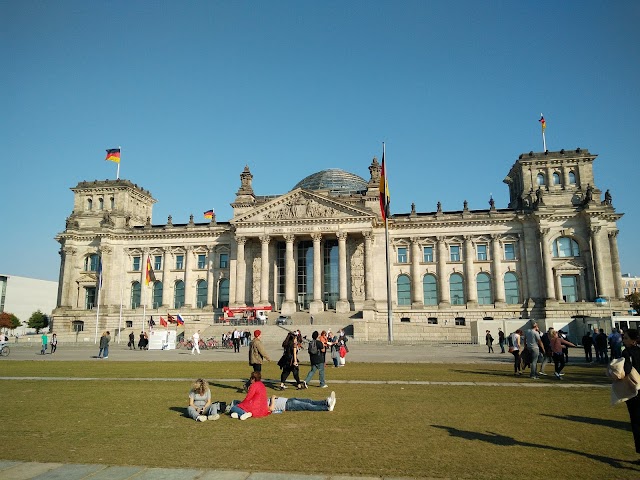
(113, 155)
(150, 276)
(208, 214)
(543, 123)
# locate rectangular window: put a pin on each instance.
(89, 298)
(460, 321)
(455, 253)
(179, 262)
(129, 323)
(427, 255)
(432, 320)
(509, 251)
(136, 264)
(402, 255)
(569, 285)
(482, 252)
(202, 261)
(224, 260)
(157, 262)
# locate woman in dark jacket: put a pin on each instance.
(289, 361)
(631, 355)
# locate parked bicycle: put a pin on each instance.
(5, 350)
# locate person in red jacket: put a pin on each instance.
(255, 404)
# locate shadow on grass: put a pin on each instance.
(571, 377)
(593, 421)
(506, 441)
(180, 410)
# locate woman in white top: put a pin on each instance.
(515, 350)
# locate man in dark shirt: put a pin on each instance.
(317, 360)
(587, 343)
(501, 340)
(601, 346)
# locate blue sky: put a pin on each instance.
(194, 91)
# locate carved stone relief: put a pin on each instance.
(356, 253)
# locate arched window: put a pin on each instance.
(91, 263)
(572, 178)
(135, 294)
(178, 297)
(556, 178)
(456, 289)
(157, 294)
(101, 204)
(483, 282)
(565, 247)
(89, 204)
(404, 290)
(511, 288)
(113, 203)
(223, 293)
(540, 179)
(201, 293)
(430, 289)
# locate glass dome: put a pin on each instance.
(334, 180)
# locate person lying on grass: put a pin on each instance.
(200, 407)
(283, 404)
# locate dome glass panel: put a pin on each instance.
(334, 180)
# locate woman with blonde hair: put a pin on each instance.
(200, 407)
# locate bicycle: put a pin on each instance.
(4, 351)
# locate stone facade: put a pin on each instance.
(321, 248)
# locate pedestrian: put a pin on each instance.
(587, 343)
(557, 344)
(501, 340)
(311, 320)
(152, 322)
(104, 345)
(236, 340)
(615, 342)
(200, 407)
(601, 347)
(565, 349)
(45, 341)
(196, 342)
(547, 356)
(535, 348)
(489, 341)
(316, 357)
(289, 361)
(255, 404)
(54, 343)
(514, 348)
(132, 341)
(631, 355)
(283, 404)
(594, 337)
(257, 352)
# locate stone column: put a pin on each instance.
(470, 272)
(496, 266)
(368, 270)
(145, 290)
(241, 272)
(342, 305)
(189, 291)
(166, 255)
(109, 285)
(443, 278)
(210, 275)
(67, 282)
(417, 296)
(289, 304)
(264, 270)
(522, 270)
(547, 265)
(615, 264)
(316, 304)
(602, 288)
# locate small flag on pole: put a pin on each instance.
(170, 318)
(150, 276)
(543, 123)
(100, 274)
(113, 155)
(180, 320)
(385, 200)
(208, 214)
(163, 322)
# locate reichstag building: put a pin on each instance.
(319, 249)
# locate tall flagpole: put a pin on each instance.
(121, 295)
(386, 246)
(118, 170)
(544, 127)
(95, 340)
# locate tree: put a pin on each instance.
(9, 320)
(634, 300)
(38, 320)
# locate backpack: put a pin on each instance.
(510, 340)
(313, 347)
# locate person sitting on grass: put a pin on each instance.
(283, 404)
(200, 407)
(255, 403)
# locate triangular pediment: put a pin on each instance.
(301, 204)
(569, 266)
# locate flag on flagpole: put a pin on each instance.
(208, 214)
(385, 199)
(100, 274)
(543, 123)
(163, 322)
(150, 276)
(113, 155)
(180, 320)
(170, 318)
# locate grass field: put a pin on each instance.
(133, 414)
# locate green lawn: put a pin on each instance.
(385, 430)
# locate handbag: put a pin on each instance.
(625, 388)
(512, 349)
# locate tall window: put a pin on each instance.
(509, 251)
(178, 297)
(565, 247)
(569, 285)
(402, 255)
(113, 203)
(556, 178)
(179, 262)
(135, 294)
(456, 289)
(157, 294)
(157, 262)
(89, 204)
(101, 204)
(427, 255)
(511, 288)
(404, 290)
(201, 293)
(91, 263)
(455, 253)
(331, 273)
(202, 261)
(89, 297)
(572, 178)
(483, 282)
(136, 264)
(223, 293)
(540, 179)
(305, 273)
(430, 290)
(224, 260)
(482, 252)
